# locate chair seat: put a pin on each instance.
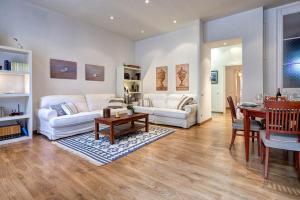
(238, 124)
(281, 141)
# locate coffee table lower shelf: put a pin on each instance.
(123, 129)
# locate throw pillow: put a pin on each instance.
(184, 101)
(69, 108)
(58, 109)
(115, 103)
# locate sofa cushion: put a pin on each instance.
(70, 120)
(78, 100)
(149, 110)
(98, 101)
(173, 100)
(157, 100)
(172, 113)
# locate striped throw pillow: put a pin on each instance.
(185, 100)
(115, 103)
(69, 108)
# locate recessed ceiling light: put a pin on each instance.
(174, 21)
(111, 18)
(142, 31)
(147, 1)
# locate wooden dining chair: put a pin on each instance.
(282, 130)
(238, 126)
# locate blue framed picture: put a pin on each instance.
(214, 77)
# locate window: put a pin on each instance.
(291, 51)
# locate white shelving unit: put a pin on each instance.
(16, 88)
(132, 85)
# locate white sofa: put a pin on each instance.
(163, 110)
(90, 106)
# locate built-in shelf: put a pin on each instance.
(132, 68)
(7, 72)
(127, 80)
(8, 95)
(13, 140)
(12, 118)
(14, 50)
(135, 92)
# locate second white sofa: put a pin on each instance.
(163, 109)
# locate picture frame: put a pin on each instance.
(94, 72)
(162, 78)
(214, 77)
(182, 77)
(62, 69)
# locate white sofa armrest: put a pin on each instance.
(191, 109)
(46, 114)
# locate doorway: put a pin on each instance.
(233, 83)
(226, 64)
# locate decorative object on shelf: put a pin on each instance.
(94, 72)
(117, 114)
(1, 68)
(138, 76)
(126, 76)
(106, 112)
(162, 78)
(15, 112)
(182, 77)
(19, 67)
(7, 65)
(62, 69)
(23, 128)
(130, 110)
(18, 43)
(2, 113)
(214, 77)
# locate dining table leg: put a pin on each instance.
(246, 133)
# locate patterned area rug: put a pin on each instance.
(101, 152)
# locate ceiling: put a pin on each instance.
(132, 17)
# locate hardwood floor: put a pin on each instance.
(189, 164)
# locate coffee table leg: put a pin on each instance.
(111, 135)
(96, 131)
(147, 124)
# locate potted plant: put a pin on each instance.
(130, 110)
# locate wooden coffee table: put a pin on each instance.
(122, 125)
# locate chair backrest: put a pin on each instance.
(282, 117)
(232, 108)
(273, 98)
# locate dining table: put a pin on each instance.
(251, 113)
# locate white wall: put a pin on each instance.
(170, 49)
(249, 27)
(52, 35)
(273, 51)
(220, 58)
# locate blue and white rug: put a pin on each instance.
(101, 152)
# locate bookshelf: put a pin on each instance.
(129, 83)
(16, 89)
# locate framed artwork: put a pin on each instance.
(94, 73)
(162, 78)
(62, 69)
(182, 77)
(214, 77)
